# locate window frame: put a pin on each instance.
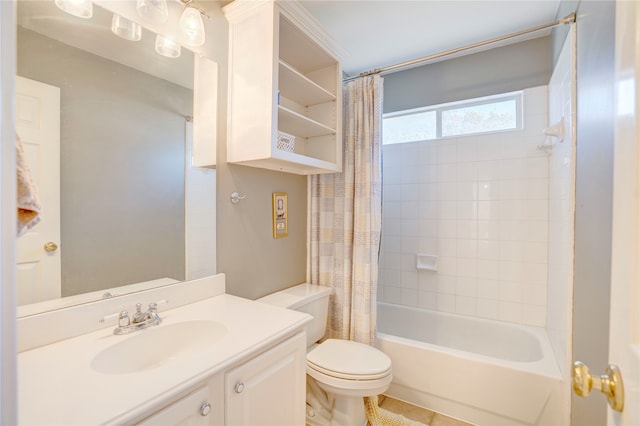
(517, 96)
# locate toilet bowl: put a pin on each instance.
(347, 371)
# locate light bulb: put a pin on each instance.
(79, 8)
(192, 26)
(154, 11)
(125, 28)
(167, 47)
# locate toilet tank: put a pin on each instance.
(308, 298)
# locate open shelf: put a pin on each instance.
(297, 124)
(299, 88)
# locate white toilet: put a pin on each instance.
(347, 371)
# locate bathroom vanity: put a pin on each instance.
(215, 360)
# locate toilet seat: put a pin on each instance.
(348, 360)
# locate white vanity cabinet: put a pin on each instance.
(283, 77)
(269, 389)
(195, 409)
(244, 363)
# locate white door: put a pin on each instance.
(624, 344)
(38, 251)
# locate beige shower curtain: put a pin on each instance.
(345, 215)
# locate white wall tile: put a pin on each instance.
(489, 249)
(488, 269)
(409, 297)
(467, 172)
(466, 286)
(447, 209)
(447, 229)
(466, 305)
(489, 210)
(447, 172)
(466, 267)
(510, 311)
(534, 315)
(487, 308)
(427, 300)
(467, 210)
(447, 191)
(428, 281)
(446, 284)
(488, 289)
(447, 247)
(489, 170)
(392, 295)
(428, 245)
(467, 248)
(447, 265)
(447, 151)
(482, 204)
(446, 302)
(409, 280)
(467, 229)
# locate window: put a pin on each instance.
(480, 115)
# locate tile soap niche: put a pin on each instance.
(426, 262)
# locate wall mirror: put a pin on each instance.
(131, 211)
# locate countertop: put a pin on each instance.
(57, 385)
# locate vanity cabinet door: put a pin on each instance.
(194, 409)
(270, 388)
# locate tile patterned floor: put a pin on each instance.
(418, 414)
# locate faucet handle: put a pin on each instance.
(123, 318)
(154, 305)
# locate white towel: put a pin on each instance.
(28, 204)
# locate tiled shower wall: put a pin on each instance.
(561, 205)
(479, 203)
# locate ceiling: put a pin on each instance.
(377, 33)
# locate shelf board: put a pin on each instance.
(299, 88)
(292, 163)
(297, 124)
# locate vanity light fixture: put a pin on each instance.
(154, 11)
(192, 26)
(125, 28)
(167, 47)
(79, 8)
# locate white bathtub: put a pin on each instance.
(482, 371)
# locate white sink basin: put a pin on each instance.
(154, 347)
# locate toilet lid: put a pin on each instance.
(348, 359)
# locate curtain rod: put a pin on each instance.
(569, 19)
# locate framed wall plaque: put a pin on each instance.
(280, 215)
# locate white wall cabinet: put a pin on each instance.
(267, 389)
(283, 77)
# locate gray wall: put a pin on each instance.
(594, 187)
(122, 166)
(254, 262)
(500, 70)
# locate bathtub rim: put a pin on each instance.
(547, 366)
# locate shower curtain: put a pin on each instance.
(345, 215)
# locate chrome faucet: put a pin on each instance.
(138, 321)
(151, 316)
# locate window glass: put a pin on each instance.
(409, 127)
(488, 117)
(480, 115)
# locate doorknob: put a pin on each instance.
(50, 247)
(609, 383)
